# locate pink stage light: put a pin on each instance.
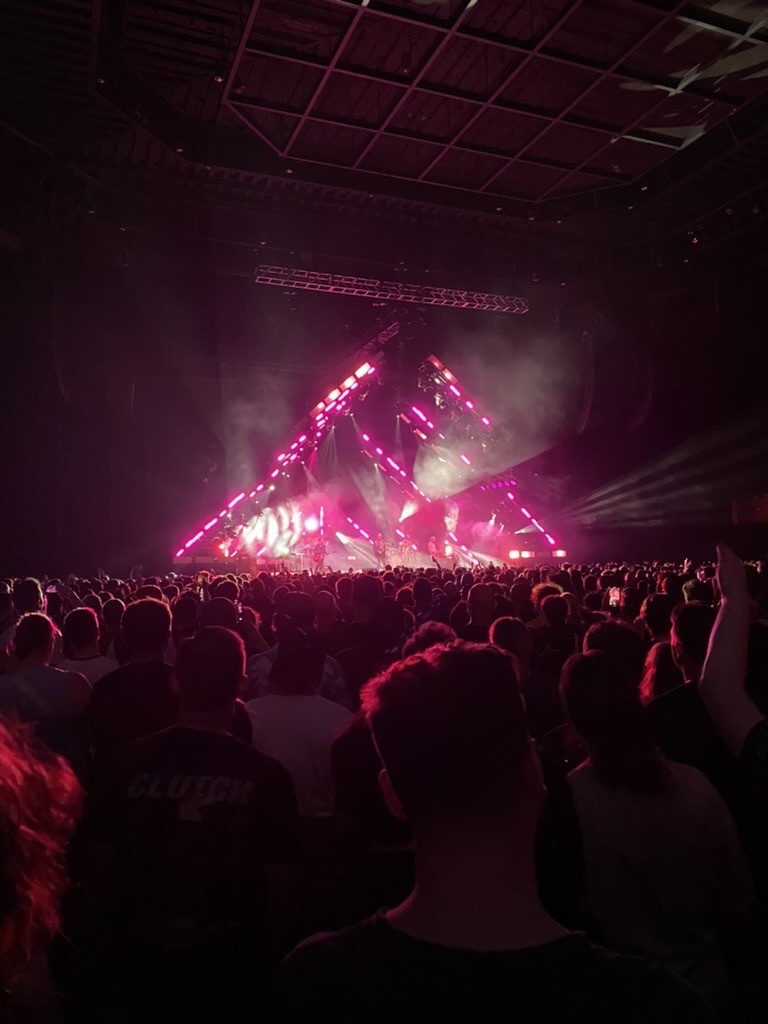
(559, 554)
(455, 390)
(510, 496)
(392, 463)
(365, 437)
(260, 488)
(333, 395)
(419, 413)
(400, 534)
(211, 523)
(514, 554)
(193, 540)
(302, 439)
(281, 456)
(379, 451)
(236, 500)
(180, 552)
(486, 421)
(526, 554)
(311, 524)
(274, 473)
(526, 513)
(252, 494)
(348, 383)
(371, 370)
(362, 370)
(465, 460)
(551, 540)
(469, 405)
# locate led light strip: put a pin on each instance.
(451, 384)
(334, 403)
(393, 468)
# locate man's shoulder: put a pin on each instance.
(210, 750)
(128, 674)
(343, 946)
(626, 987)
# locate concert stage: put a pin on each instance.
(356, 488)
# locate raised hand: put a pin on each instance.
(731, 577)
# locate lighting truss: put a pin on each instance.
(388, 465)
(318, 421)
(313, 427)
(394, 291)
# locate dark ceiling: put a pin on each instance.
(612, 120)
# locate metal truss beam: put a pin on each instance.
(394, 291)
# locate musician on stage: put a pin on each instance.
(380, 551)
(319, 551)
(433, 551)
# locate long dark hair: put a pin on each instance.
(605, 710)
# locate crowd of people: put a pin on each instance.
(444, 794)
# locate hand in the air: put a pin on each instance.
(731, 577)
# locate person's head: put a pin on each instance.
(6, 606)
(661, 674)
(229, 589)
(344, 589)
(450, 727)
(40, 802)
(388, 620)
(298, 668)
(604, 708)
(366, 591)
(422, 594)
(92, 601)
(622, 645)
(691, 625)
(326, 609)
(150, 590)
(112, 614)
(429, 634)
(185, 614)
(355, 769)
(514, 637)
(631, 602)
(81, 629)
(482, 603)
(672, 585)
(297, 611)
(219, 611)
(146, 628)
(656, 613)
(34, 638)
(698, 590)
(209, 671)
(28, 596)
(542, 591)
(554, 608)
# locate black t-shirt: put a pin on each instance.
(194, 818)
(137, 700)
(131, 702)
(373, 972)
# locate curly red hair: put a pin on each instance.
(40, 802)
